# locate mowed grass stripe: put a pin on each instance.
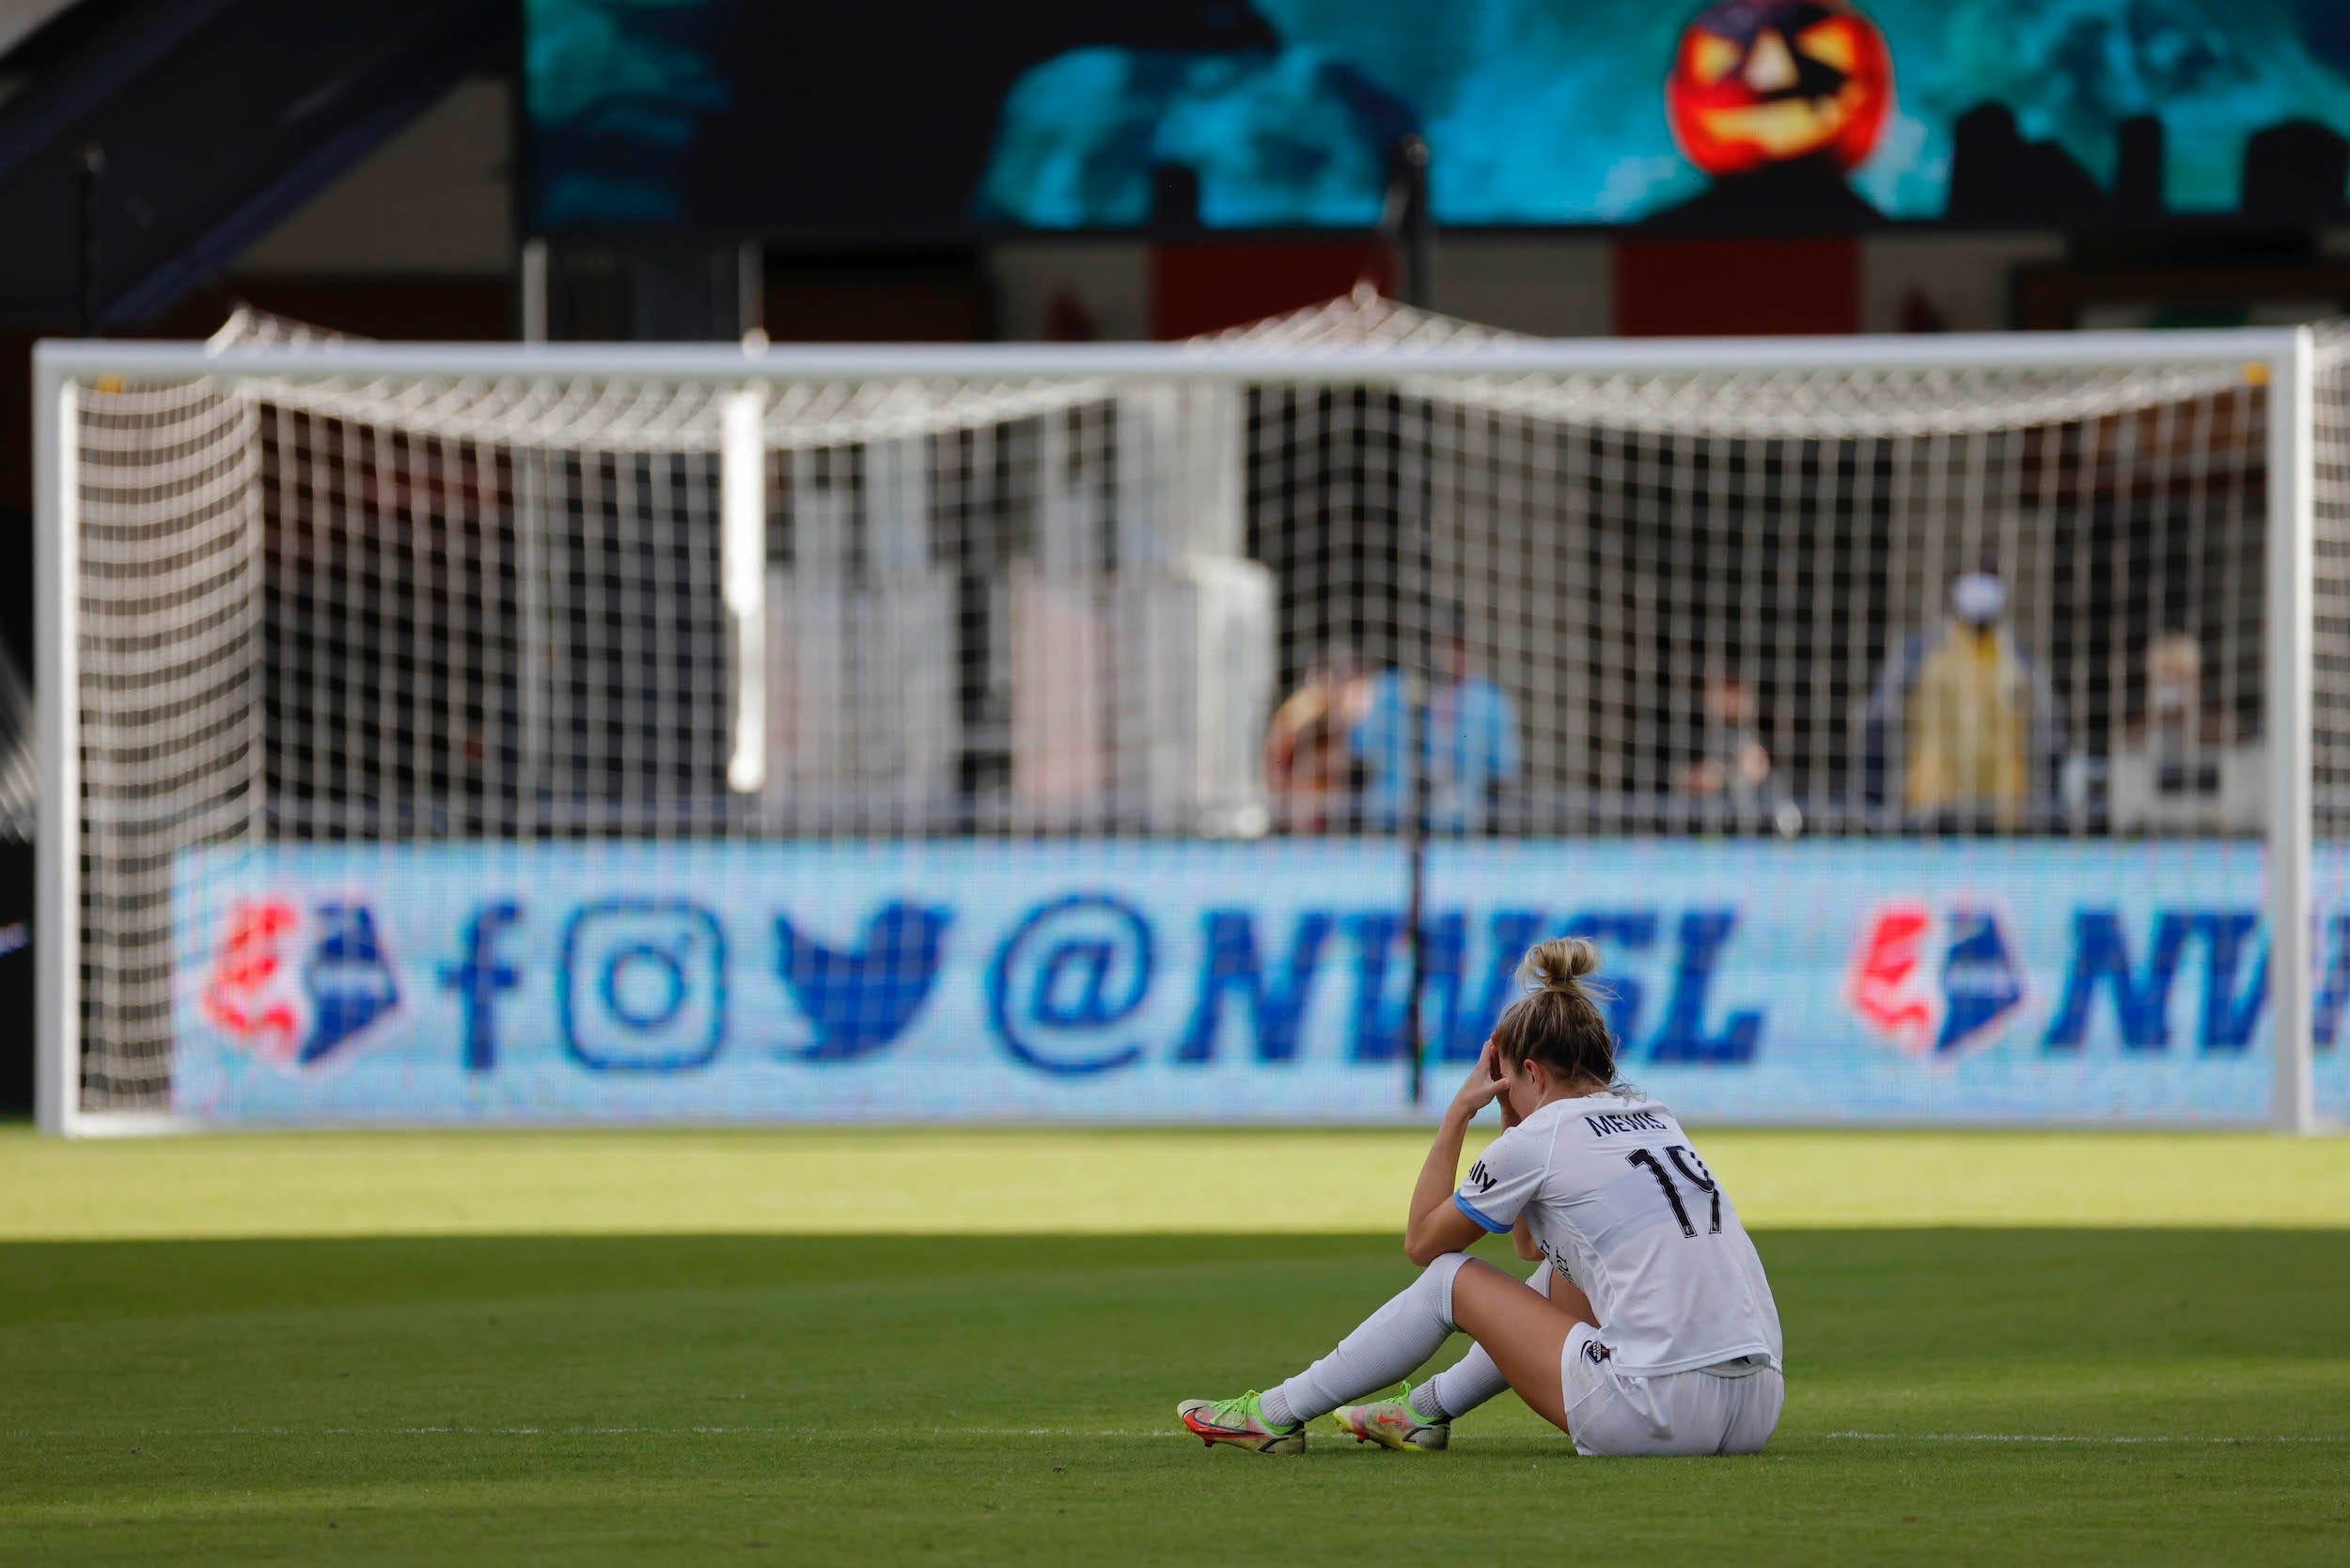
(1004, 1181)
(1150, 1434)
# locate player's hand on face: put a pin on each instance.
(1484, 1083)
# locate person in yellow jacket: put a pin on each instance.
(1965, 730)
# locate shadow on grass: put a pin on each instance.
(1943, 1292)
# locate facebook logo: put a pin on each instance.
(640, 986)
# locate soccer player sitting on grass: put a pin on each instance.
(1648, 1328)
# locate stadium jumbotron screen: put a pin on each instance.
(818, 124)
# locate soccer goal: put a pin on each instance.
(1932, 730)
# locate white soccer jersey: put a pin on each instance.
(1620, 1203)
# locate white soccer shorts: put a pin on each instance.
(1689, 1412)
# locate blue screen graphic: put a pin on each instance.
(928, 982)
(1278, 113)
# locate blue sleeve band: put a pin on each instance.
(1496, 1227)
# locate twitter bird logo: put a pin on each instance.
(859, 999)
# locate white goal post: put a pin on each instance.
(1944, 728)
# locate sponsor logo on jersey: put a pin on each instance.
(1595, 1353)
(1481, 1178)
(1934, 982)
(298, 984)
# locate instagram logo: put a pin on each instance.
(641, 985)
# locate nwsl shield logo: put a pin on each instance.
(295, 984)
(1935, 983)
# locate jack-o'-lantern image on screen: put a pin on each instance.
(1757, 81)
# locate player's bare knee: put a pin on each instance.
(1472, 1278)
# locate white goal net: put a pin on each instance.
(1948, 731)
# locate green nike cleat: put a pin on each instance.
(1240, 1421)
(1392, 1423)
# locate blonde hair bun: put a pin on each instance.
(1559, 1022)
(1558, 963)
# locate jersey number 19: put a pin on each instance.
(1684, 1159)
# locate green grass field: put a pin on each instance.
(944, 1348)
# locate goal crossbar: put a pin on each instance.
(54, 360)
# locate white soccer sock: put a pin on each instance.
(1460, 1388)
(1390, 1342)
(1470, 1381)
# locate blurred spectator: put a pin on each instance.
(1963, 729)
(1731, 765)
(2179, 738)
(2183, 763)
(1309, 770)
(1469, 747)
(2177, 724)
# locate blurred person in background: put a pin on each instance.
(1469, 748)
(1308, 768)
(2180, 738)
(1731, 764)
(1964, 729)
(2183, 762)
